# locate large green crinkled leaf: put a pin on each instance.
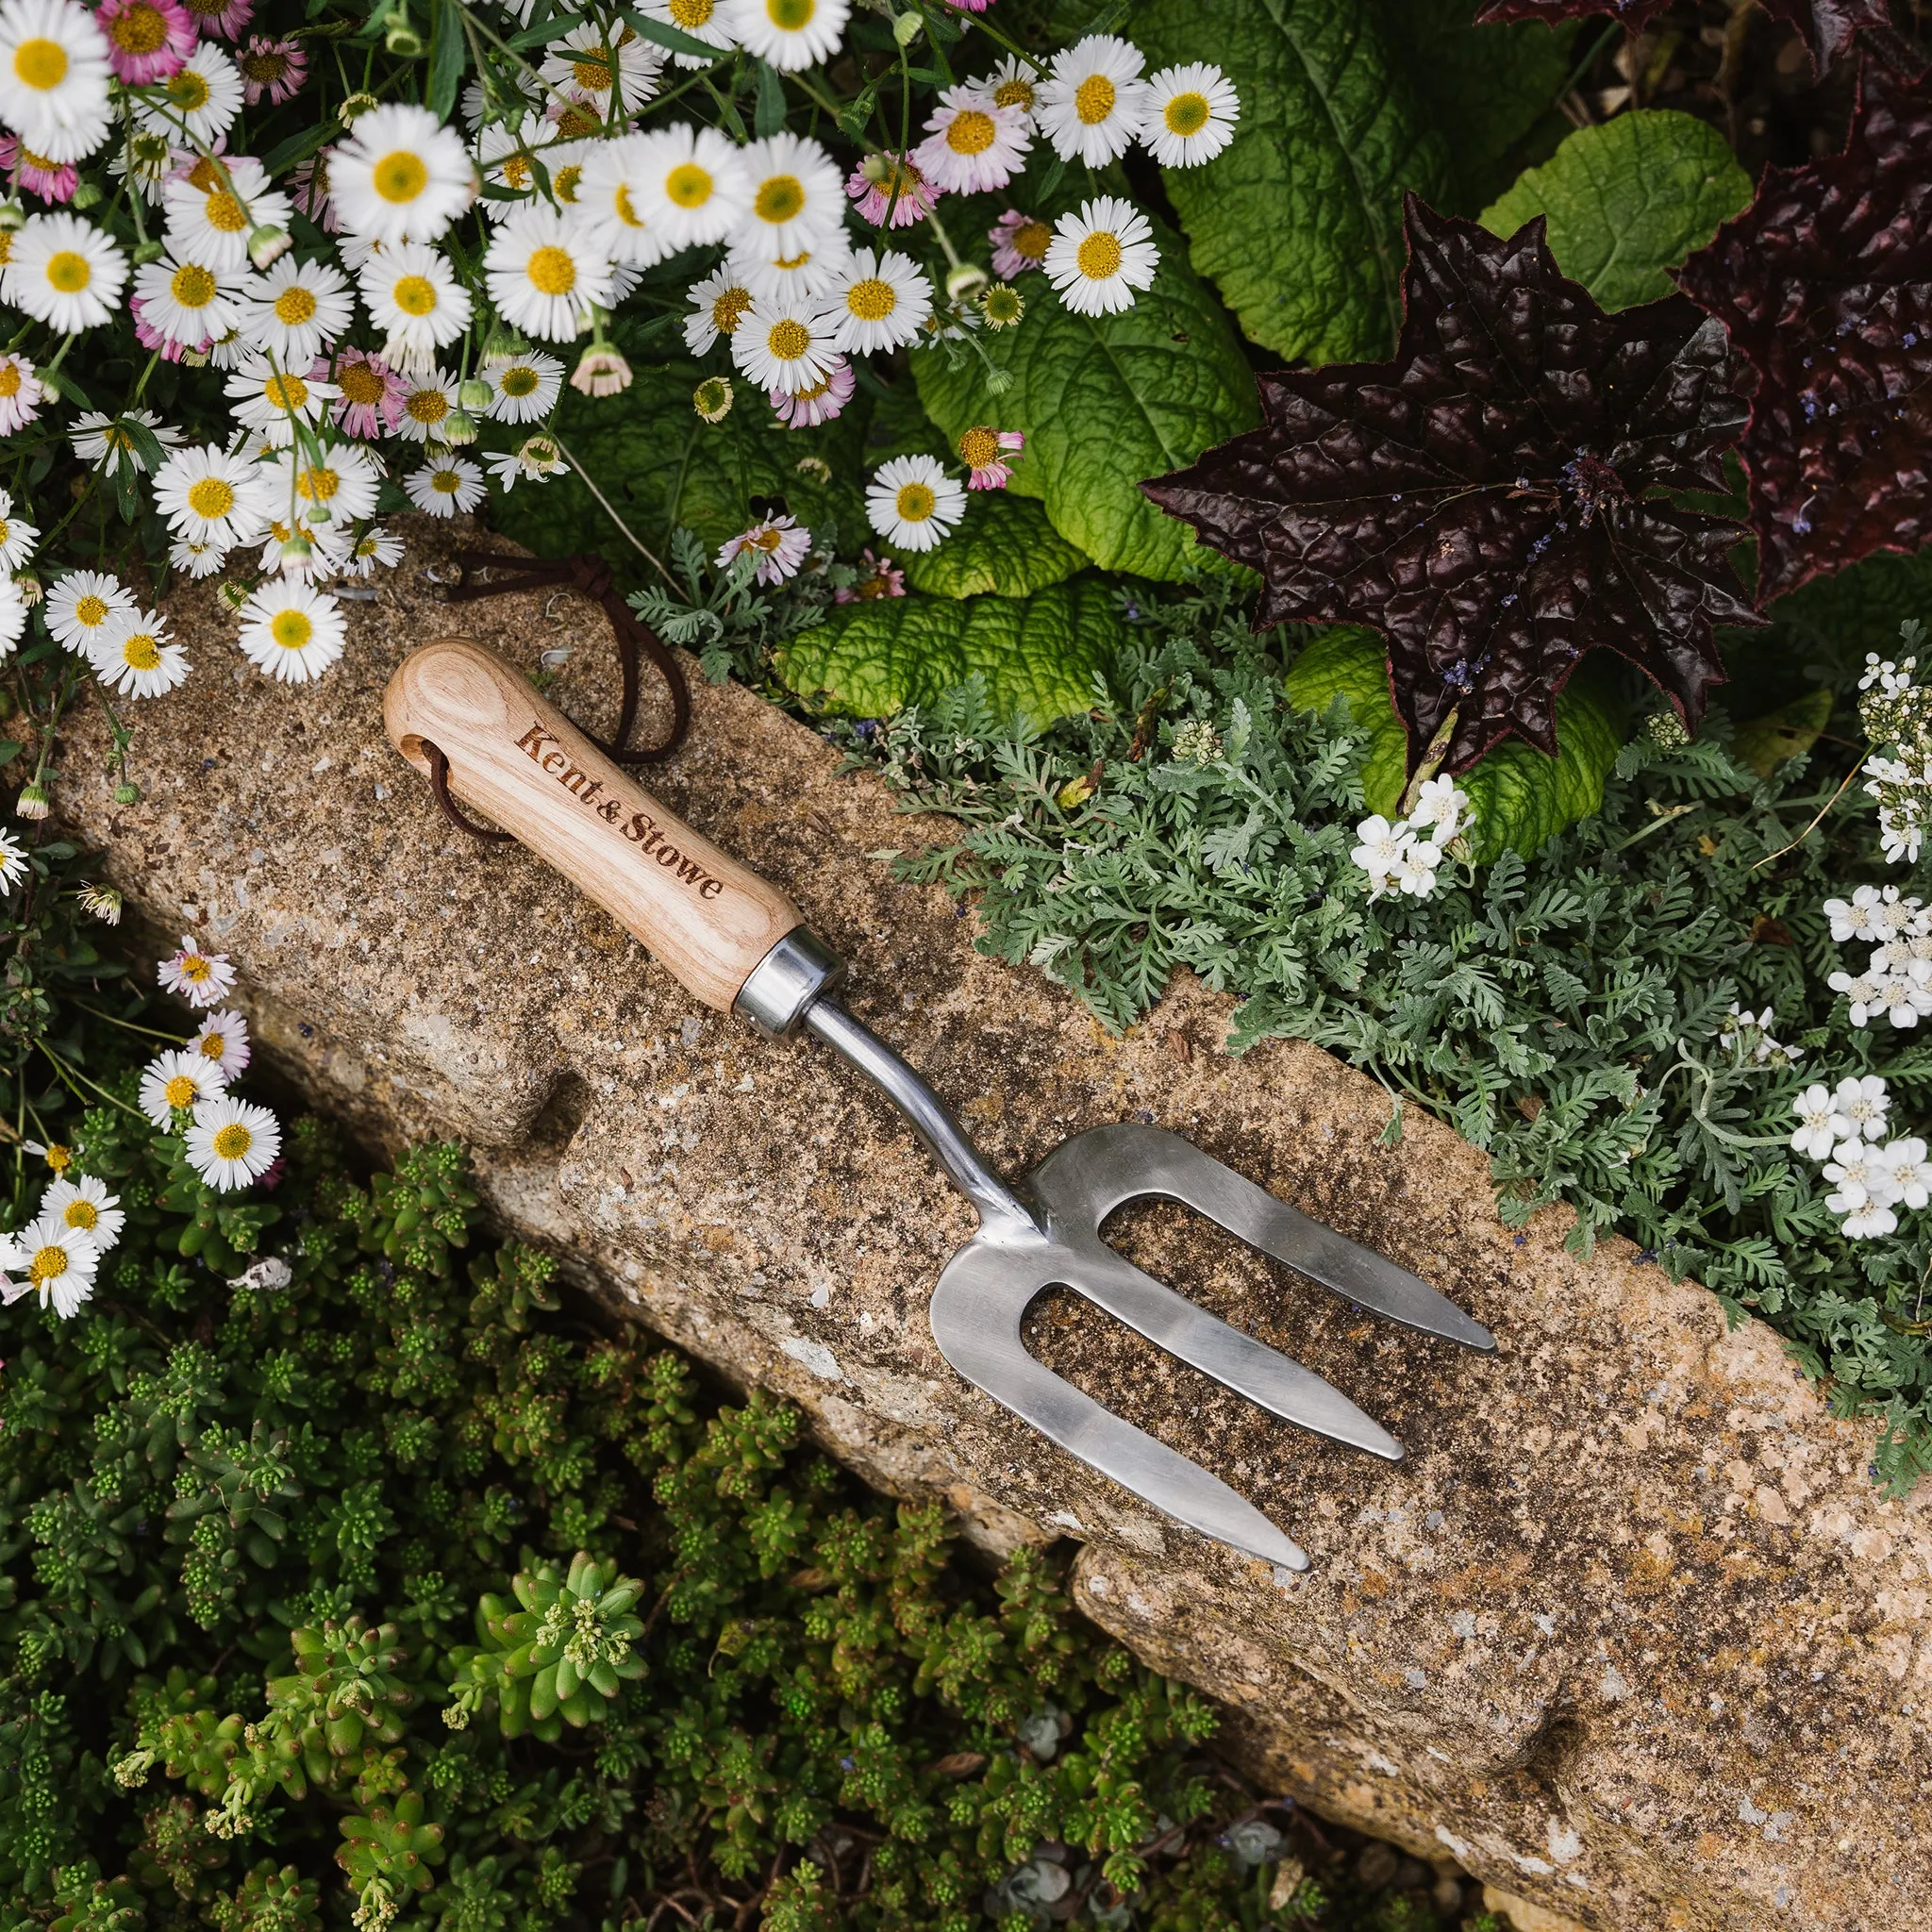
(1485, 87)
(1006, 547)
(1520, 798)
(1298, 223)
(1628, 199)
(1038, 655)
(1107, 400)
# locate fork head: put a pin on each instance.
(985, 1288)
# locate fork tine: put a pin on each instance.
(1096, 1171)
(975, 1318)
(1261, 1374)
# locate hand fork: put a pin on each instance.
(467, 720)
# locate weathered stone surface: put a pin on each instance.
(1630, 1635)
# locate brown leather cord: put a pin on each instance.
(439, 790)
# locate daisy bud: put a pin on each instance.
(102, 903)
(322, 514)
(126, 793)
(354, 106)
(998, 382)
(29, 588)
(474, 394)
(712, 398)
(816, 467)
(602, 372)
(150, 250)
(965, 282)
(907, 28)
(11, 216)
(1002, 304)
(297, 554)
(194, 358)
(268, 244)
(86, 193)
(33, 802)
(460, 428)
(402, 39)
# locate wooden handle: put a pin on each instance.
(518, 761)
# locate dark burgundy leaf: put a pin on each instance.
(1826, 25)
(1488, 500)
(1825, 285)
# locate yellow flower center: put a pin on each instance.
(780, 198)
(591, 73)
(1014, 93)
(1031, 240)
(565, 181)
(195, 966)
(59, 1159)
(183, 1089)
(872, 300)
(9, 379)
(626, 213)
(204, 174)
(414, 294)
(318, 485)
(210, 497)
(225, 212)
(516, 170)
(359, 382)
(691, 13)
(69, 273)
(1186, 114)
(520, 381)
(915, 502)
(210, 1046)
(814, 391)
(794, 16)
(40, 64)
(552, 272)
(143, 650)
(232, 1142)
(446, 482)
(979, 447)
(1093, 99)
(193, 287)
(140, 30)
(293, 307)
(49, 1264)
(188, 89)
(426, 406)
(767, 539)
(575, 122)
(688, 185)
(82, 1214)
(972, 132)
(91, 610)
(264, 68)
(727, 310)
(400, 176)
(1099, 255)
(288, 393)
(290, 629)
(789, 340)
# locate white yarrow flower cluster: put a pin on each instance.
(1897, 984)
(1842, 1129)
(1404, 857)
(1896, 713)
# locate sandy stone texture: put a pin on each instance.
(1629, 1634)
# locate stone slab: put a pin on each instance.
(1629, 1636)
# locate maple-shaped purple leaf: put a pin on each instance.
(1825, 285)
(1827, 26)
(1488, 500)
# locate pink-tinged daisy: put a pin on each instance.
(779, 545)
(818, 403)
(894, 182)
(983, 450)
(309, 191)
(222, 1039)
(274, 69)
(372, 394)
(20, 392)
(147, 40)
(883, 579)
(223, 18)
(51, 180)
(972, 145)
(203, 979)
(150, 336)
(1019, 242)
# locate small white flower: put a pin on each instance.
(778, 545)
(1863, 1102)
(374, 550)
(400, 176)
(797, 198)
(17, 536)
(84, 1203)
(431, 398)
(203, 98)
(1864, 990)
(178, 1080)
(64, 272)
(185, 302)
(296, 309)
(291, 630)
(790, 34)
(272, 400)
(1092, 104)
(1098, 257)
(213, 496)
(912, 503)
(1911, 1173)
(412, 293)
(1189, 116)
(541, 275)
(133, 654)
(1416, 867)
(52, 1261)
(54, 78)
(1863, 1175)
(1865, 1223)
(801, 277)
(972, 145)
(213, 209)
(785, 345)
(718, 305)
(536, 457)
(704, 20)
(1379, 851)
(608, 68)
(345, 480)
(450, 487)
(222, 1037)
(232, 1143)
(196, 560)
(1440, 804)
(1852, 920)
(690, 186)
(879, 302)
(1820, 1127)
(13, 864)
(203, 979)
(524, 389)
(102, 440)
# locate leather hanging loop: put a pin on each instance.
(439, 790)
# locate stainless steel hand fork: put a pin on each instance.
(742, 947)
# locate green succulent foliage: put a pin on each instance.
(1521, 798)
(1298, 223)
(1004, 547)
(1106, 401)
(270, 1899)
(1627, 200)
(1036, 657)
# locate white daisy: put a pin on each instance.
(591, 59)
(504, 151)
(22, 392)
(373, 550)
(1014, 83)
(222, 1037)
(450, 487)
(784, 345)
(790, 34)
(692, 186)
(427, 405)
(213, 496)
(273, 400)
(537, 458)
(13, 861)
(912, 503)
(195, 560)
(203, 979)
(321, 551)
(345, 479)
(178, 1080)
(51, 1261)
(542, 277)
(703, 20)
(99, 439)
(185, 302)
(53, 77)
(296, 310)
(610, 207)
(777, 547)
(412, 293)
(84, 1205)
(232, 1143)
(79, 604)
(145, 160)
(1190, 114)
(291, 630)
(879, 302)
(973, 144)
(212, 209)
(718, 305)
(64, 272)
(17, 536)
(202, 99)
(1092, 104)
(400, 176)
(523, 389)
(797, 196)
(134, 655)
(1099, 257)
(801, 277)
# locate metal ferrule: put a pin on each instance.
(800, 969)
